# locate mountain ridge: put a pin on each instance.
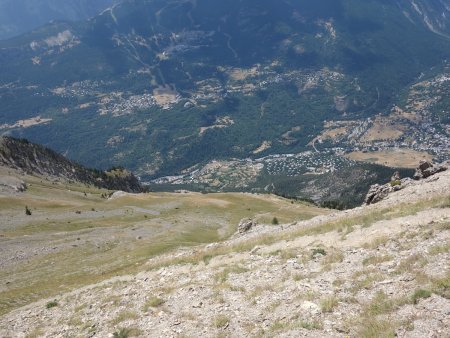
(38, 160)
(20, 16)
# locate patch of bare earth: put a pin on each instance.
(406, 158)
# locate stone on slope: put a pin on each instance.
(427, 169)
(246, 225)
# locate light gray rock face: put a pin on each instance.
(12, 184)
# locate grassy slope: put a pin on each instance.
(72, 239)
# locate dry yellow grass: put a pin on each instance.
(383, 129)
(405, 158)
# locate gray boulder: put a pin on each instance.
(246, 225)
(427, 169)
(377, 193)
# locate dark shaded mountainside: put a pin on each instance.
(36, 159)
(160, 86)
(20, 16)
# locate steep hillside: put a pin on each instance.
(433, 13)
(375, 271)
(161, 86)
(59, 235)
(21, 16)
(38, 160)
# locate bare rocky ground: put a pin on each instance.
(375, 271)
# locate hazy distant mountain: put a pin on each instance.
(20, 16)
(434, 14)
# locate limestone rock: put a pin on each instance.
(377, 193)
(396, 176)
(246, 225)
(12, 184)
(310, 308)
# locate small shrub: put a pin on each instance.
(419, 294)
(27, 211)
(51, 304)
(275, 221)
(122, 333)
(318, 251)
(396, 183)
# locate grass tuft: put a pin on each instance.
(441, 286)
(371, 327)
(124, 316)
(222, 276)
(152, 301)
(380, 304)
(375, 260)
(221, 321)
(328, 304)
(420, 294)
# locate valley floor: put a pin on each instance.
(379, 270)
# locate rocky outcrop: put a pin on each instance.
(38, 160)
(13, 184)
(396, 176)
(246, 225)
(379, 192)
(427, 169)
